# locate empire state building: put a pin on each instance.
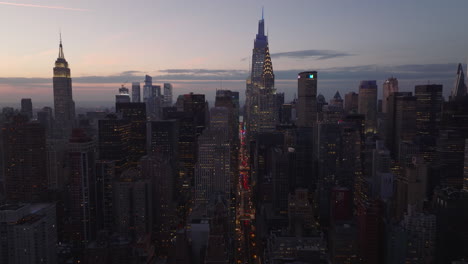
(64, 105)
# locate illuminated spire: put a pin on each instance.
(268, 75)
(61, 56)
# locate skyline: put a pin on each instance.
(342, 59)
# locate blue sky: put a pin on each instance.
(109, 42)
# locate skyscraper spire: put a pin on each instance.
(460, 89)
(61, 56)
(262, 12)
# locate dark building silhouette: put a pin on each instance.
(25, 166)
(135, 113)
(81, 189)
(26, 107)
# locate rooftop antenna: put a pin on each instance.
(262, 12)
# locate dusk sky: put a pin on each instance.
(202, 45)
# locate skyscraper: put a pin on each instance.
(261, 106)
(123, 96)
(428, 108)
(26, 107)
(390, 86)
(82, 188)
(459, 90)
(64, 105)
(401, 120)
(307, 99)
(167, 94)
(136, 92)
(24, 150)
(351, 101)
(368, 104)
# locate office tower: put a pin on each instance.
(328, 157)
(105, 174)
(114, 142)
(135, 114)
(307, 99)
(24, 150)
(167, 94)
(44, 117)
(451, 210)
(401, 121)
(163, 138)
(136, 92)
(57, 160)
(459, 90)
(261, 108)
(196, 105)
(132, 205)
(212, 170)
(82, 189)
(28, 233)
(148, 91)
(451, 156)
(421, 241)
(351, 102)
(411, 187)
(454, 116)
(390, 86)
(370, 233)
(336, 101)
(282, 168)
(157, 167)
(429, 102)
(64, 105)
(26, 107)
(187, 143)
(123, 96)
(368, 104)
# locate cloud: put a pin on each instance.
(44, 6)
(318, 54)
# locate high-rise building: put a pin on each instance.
(136, 92)
(44, 117)
(337, 101)
(25, 166)
(82, 188)
(307, 99)
(459, 90)
(123, 96)
(26, 107)
(390, 86)
(212, 171)
(351, 101)
(64, 105)
(368, 104)
(135, 114)
(28, 233)
(429, 102)
(157, 168)
(261, 107)
(114, 141)
(167, 94)
(401, 120)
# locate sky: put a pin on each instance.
(202, 45)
